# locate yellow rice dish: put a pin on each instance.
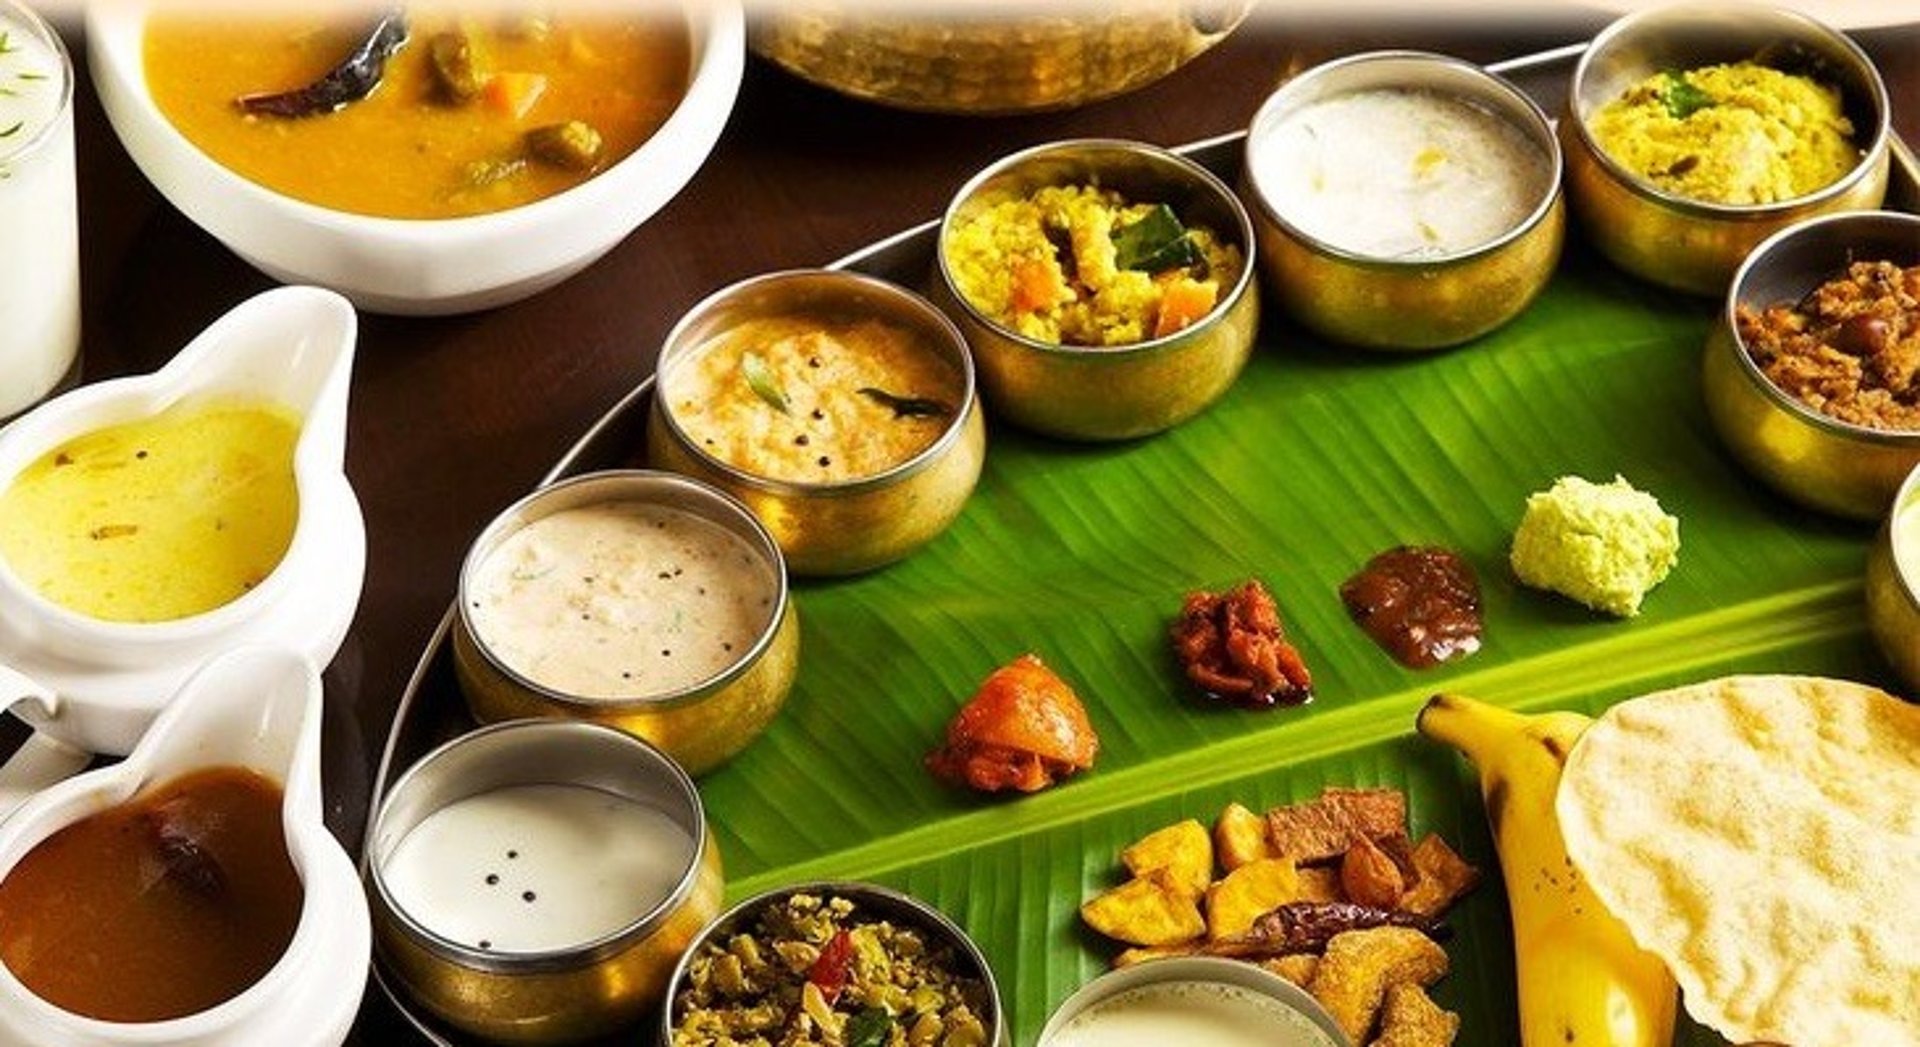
(1729, 134)
(1081, 266)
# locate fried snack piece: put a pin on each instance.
(1321, 829)
(1154, 909)
(1297, 967)
(1359, 967)
(1239, 837)
(1234, 649)
(1412, 1019)
(1320, 883)
(1370, 876)
(1184, 850)
(1024, 730)
(1247, 892)
(1142, 953)
(1441, 878)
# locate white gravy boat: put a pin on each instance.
(260, 708)
(88, 685)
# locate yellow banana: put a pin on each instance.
(1583, 981)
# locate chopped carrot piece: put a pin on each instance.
(1036, 286)
(1184, 301)
(513, 94)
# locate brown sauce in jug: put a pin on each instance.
(160, 907)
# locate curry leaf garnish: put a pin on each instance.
(906, 406)
(14, 130)
(761, 380)
(869, 1028)
(1681, 98)
(6, 43)
(31, 76)
(1155, 243)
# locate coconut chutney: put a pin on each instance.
(1399, 173)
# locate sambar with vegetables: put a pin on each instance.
(445, 114)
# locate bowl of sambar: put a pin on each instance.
(434, 160)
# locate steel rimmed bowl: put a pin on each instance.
(1824, 463)
(1893, 584)
(1693, 245)
(1411, 303)
(1317, 1027)
(1114, 392)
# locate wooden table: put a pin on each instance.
(454, 418)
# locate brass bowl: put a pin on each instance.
(1314, 1028)
(1692, 245)
(1893, 592)
(1830, 465)
(563, 995)
(855, 525)
(701, 726)
(1019, 59)
(1118, 392)
(1406, 303)
(875, 902)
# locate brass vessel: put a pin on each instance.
(1893, 602)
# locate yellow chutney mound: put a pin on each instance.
(161, 518)
(1761, 835)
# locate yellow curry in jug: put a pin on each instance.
(159, 518)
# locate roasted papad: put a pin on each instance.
(1761, 834)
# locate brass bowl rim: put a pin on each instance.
(547, 961)
(951, 343)
(1759, 256)
(931, 919)
(506, 523)
(1540, 135)
(1870, 154)
(1165, 343)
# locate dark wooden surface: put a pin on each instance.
(454, 418)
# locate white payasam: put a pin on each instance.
(1400, 173)
(1761, 835)
(1210, 1013)
(621, 600)
(39, 242)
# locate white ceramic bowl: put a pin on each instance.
(412, 266)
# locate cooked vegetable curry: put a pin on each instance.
(471, 114)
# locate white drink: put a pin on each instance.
(39, 231)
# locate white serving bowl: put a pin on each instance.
(419, 266)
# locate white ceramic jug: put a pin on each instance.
(258, 708)
(93, 686)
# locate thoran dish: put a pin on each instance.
(1849, 350)
(1083, 266)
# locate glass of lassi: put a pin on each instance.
(39, 229)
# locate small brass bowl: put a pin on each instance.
(871, 902)
(1893, 584)
(563, 995)
(1312, 1026)
(1118, 392)
(701, 726)
(1830, 465)
(1693, 245)
(1019, 59)
(855, 525)
(1406, 303)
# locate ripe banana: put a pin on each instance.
(1582, 980)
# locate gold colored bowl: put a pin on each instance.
(1119, 392)
(1829, 465)
(1016, 59)
(563, 995)
(1893, 598)
(1692, 245)
(872, 901)
(1406, 303)
(855, 525)
(701, 726)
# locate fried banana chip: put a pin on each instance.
(1154, 909)
(1255, 888)
(1239, 837)
(1184, 850)
(1442, 877)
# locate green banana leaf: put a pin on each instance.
(1317, 459)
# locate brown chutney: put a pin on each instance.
(1422, 604)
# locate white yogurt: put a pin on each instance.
(39, 230)
(621, 600)
(1403, 174)
(534, 868)
(1181, 1013)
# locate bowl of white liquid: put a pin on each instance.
(1191, 1000)
(39, 232)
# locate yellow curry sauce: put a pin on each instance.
(409, 150)
(159, 518)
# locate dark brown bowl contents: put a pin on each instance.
(812, 970)
(1421, 604)
(1234, 649)
(157, 908)
(1850, 349)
